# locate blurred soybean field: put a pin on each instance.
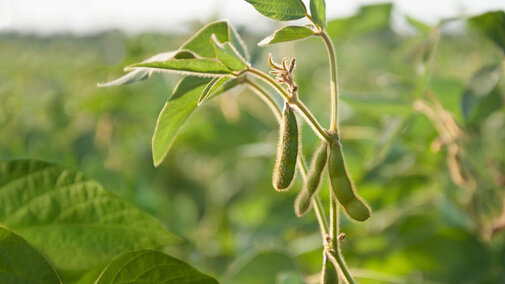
(437, 197)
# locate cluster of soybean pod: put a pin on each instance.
(331, 153)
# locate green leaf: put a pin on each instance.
(194, 66)
(217, 85)
(177, 109)
(223, 31)
(228, 55)
(21, 263)
(71, 218)
(150, 266)
(288, 33)
(369, 19)
(282, 10)
(197, 46)
(418, 25)
(143, 74)
(318, 12)
(478, 88)
(491, 25)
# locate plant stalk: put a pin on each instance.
(333, 80)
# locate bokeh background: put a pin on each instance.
(409, 73)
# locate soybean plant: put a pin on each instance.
(215, 60)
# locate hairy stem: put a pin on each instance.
(335, 242)
(316, 202)
(335, 253)
(310, 118)
(333, 80)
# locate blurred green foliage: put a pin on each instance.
(214, 188)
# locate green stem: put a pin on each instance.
(335, 242)
(316, 202)
(333, 80)
(335, 253)
(310, 118)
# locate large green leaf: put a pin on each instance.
(318, 12)
(177, 109)
(282, 10)
(71, 218)
(492, 25)
(482, 83)
(288, 33)
(223, 31)
(369, 18)
(21, 263)
(150, 266)
(193, 66)
(228, 55)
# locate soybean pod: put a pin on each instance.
(287, 151)
(343, 187)
(304, 198)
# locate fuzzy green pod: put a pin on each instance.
(329, 274)
(304, 198)
(287, 151)
(343, 187)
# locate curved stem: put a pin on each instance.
(333, 80)
(316, 202)
(310, 118)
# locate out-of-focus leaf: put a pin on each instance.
(142, 74)
(376, 105)
(491, 25)
(21, 263)
(150, 266)
(288, 33)
(318, 12)
(289, 278)
(418, 25)
(228, 55)
(194, 66)
(478, 88)
(71, 218)
(489, 104)
(439, 257)
(369, 18)
(282, 10)
(177, 109)
(260, 268)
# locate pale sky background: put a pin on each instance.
(90, 16)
